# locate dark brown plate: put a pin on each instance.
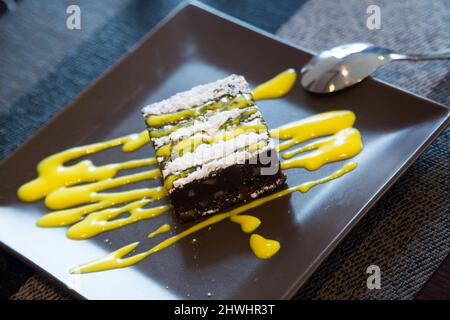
(196, 46)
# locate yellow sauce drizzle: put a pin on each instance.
(248, 223)
(163, 229)
(52, 174)
(263, 248)
(343, 145)
(316, 126)
(305, 187)
(98, 222)
(116, 259)
(78, 192)
(223, 104)
(77, 189)
(277, 86)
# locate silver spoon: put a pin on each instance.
(344, 66)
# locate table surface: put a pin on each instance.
(438, 287)
(34, 27)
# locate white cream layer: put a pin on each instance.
(210, 125)
(205, 153)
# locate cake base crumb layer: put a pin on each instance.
(230, 186)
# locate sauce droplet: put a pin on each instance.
(277, 86)
(263, 248)
(248, 223)
(163, 229)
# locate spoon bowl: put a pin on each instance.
(346, 65)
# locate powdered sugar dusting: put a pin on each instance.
(232, 85)
(210, 125)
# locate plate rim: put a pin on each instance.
(442, 122)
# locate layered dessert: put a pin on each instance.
(213, 147)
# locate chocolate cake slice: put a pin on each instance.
(213, 148)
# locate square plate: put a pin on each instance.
(197, 45)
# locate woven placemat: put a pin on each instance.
(406, 233)
(38, 288)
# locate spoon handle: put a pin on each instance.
(439, 55)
